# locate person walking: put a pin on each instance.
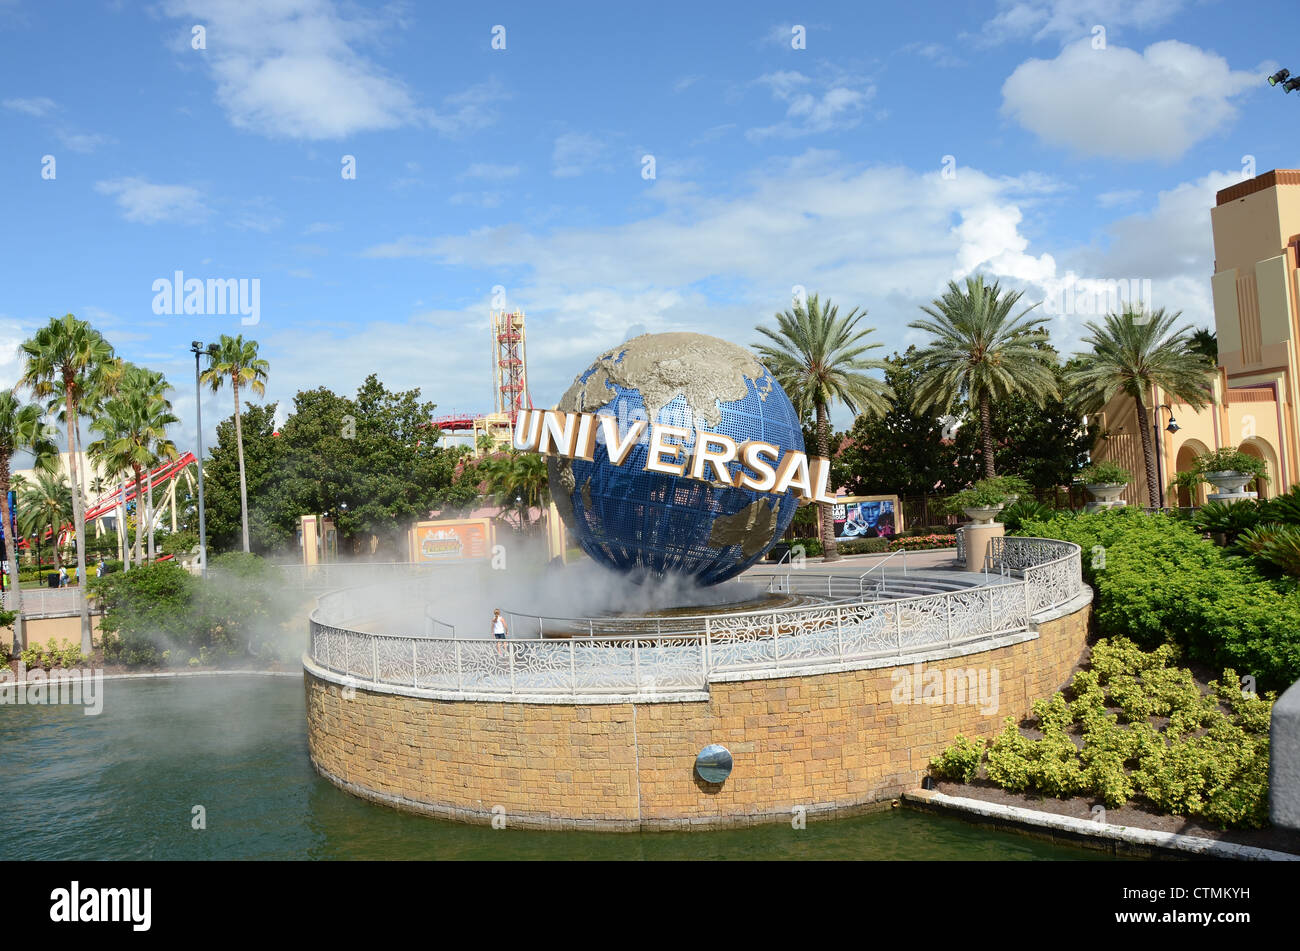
(99, 568)
(498, 628)
(63, 577)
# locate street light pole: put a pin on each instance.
(197, 347)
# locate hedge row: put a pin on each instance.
(1158, 581)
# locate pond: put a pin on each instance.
(124, 784)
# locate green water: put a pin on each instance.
(122, 785)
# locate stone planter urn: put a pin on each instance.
(982, 514)
(1230, 485)
(1105, 495)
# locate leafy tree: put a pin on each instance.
(1131, 353)
(271, 524)
(236, 360)
(45, 506)
(20, 431)
(820, 358)
(979, 354)
(902, 451)
(517, 476)
(64, 361)
(1044, 443)
(133, 427)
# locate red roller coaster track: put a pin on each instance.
(106, 503)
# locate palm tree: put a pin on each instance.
(1131, 353)
(21, 430)
(979, 353)
(236, 359)
(68, 358)
(818, 357)
(46, 506)
(1205, 342)
(133, 427)
(517, 475)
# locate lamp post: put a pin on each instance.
(37, 536)
(1173, 427)
(196, 346)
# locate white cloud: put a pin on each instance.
(38, 106)
(1067, 20)
(813, 106)
(1123, 104)
(144, 202)
(490, 172)
(1122, 196)
(84, 142)
(295, 69)
(577, 153)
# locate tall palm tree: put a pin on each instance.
(66, 359)
(1131, 353)
(133, 428)
(236, 359)
(979, 353)
(46, 506)
(819, 358)
(21, 430)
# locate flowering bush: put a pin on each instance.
(923, 542)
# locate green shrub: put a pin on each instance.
(960, 761)
(864, 546)
(1157, 581)
(1021, 511)
(1009, 758)
(1207, 763)
(922, 542)
(1230, 460)
(986, 493)
(1105, 473)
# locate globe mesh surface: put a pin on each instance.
(651, 523)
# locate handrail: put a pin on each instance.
(644, 664)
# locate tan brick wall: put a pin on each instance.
(827, 742)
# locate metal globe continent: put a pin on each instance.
(649, 523)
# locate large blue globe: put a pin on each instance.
(648, 523)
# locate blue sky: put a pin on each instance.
(1076, 155)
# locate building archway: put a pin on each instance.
(1261, 450)
(1185, 461)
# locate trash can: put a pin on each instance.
(52, 579)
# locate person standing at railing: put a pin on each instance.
(498, 628)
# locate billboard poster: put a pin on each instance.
(450, 540)
(866, 517)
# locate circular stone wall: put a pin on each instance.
(827, 742)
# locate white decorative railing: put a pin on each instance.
(47, 602)
(645, 665)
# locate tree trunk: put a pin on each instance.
(986, 435)
(78, 514)
(148, 482)
(11, 549)
(1148, 455)
(139, 521)
(831, 551)
(122, 537)
(243, 484)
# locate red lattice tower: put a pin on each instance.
(510, 363)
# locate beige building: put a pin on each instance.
(1256, 405)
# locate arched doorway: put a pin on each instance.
(1185, 461)
(1261, 450)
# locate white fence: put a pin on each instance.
(650, 664)
(46, 602)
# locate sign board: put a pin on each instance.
(453, 539)
(867, 516)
